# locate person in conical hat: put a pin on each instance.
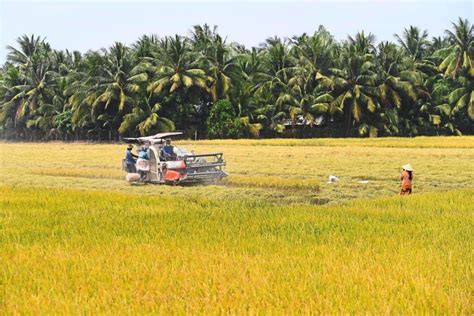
(407, 179)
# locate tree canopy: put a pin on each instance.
(304, 86)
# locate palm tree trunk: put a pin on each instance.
(348, 126)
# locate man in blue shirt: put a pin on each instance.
(143, 162)
(167, 152)
(144, 153)
(130, 160)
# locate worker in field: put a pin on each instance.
(143, 162)
(407, 179)
(167, 152)
(130, 160)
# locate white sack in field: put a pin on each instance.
(333, 179)
(143, 165)
(132, 177)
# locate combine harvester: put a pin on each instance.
(183, 167)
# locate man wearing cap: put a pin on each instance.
(167, 152)
(130, 160)
(406, 178)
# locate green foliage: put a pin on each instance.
(304, 85)
(223, 122)
(63, 122)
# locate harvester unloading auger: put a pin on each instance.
(181, 166)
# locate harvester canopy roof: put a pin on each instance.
(154, 139)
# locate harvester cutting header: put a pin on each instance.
(158, 161)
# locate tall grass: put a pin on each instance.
(69, 251)
(75, 238)
(261, 173)
(388, 142)
(282, 183)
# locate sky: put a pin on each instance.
(86, 24)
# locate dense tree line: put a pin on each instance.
(308, 85)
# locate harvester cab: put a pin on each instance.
(173, 165)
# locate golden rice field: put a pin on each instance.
(274, 237)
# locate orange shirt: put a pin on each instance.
(406, 182)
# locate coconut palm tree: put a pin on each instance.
(276, 62)
(178, 79)
(437, 43)
(435, 114)
(271, 118)
(461, 50)
(463, 95)
(28, 47)
(414, 42)
(176, 67)
(395, 84)
(243, 94)
(314, 56)
(202, 37)
(82, 92)
(362, 43)
(11, 80)
(116, 87)
(33, 96)
(145, 119)
(353, 84)
(221, 63)
(145, 46)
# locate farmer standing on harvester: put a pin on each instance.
(143, 161)
(130, 160)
